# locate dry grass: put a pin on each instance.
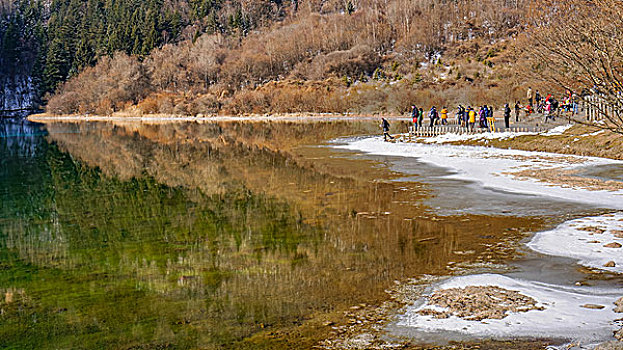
(395, 42)
(579, 140)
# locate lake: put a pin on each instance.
(223, 235)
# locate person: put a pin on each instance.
(460, 116)
(472, 117)
(433, 116)
(444, 116)
(483, 116)
(574, 104)
(507, 116)
(537, 98)
(517, 110)
(414, 116)
(554, 109)
(420, 117)
(385, 126)
(548, 110)
(529, 95)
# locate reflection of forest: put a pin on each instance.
(211, 232)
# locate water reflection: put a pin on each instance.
(206, 235)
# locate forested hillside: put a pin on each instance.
(193, 57)
(55, 39)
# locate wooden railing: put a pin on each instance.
(598, 108)
(459, 130)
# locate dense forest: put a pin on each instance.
(198, 57)
(54, 40)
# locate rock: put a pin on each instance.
(619, 334)
(593, 306)
(617, 233)
(613, 245)
(592, 230)
(610, 264)
(619, 305)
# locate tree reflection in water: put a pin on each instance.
(204, 235)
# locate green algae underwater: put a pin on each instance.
(201, 236)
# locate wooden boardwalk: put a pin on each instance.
(459, 130)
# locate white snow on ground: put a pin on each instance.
(595, 133)
(559, 130)
(453, 137)
(569, 240)
(487, 166)
(562, 318)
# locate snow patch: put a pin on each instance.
(563, 316)
(18, 92)
(492, 167)
(559, 130)
(506, 135)
(452, 137)
(585, 240)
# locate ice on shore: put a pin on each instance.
(559, 130)
(564, 315)
(505, 135)
(594, 241)
(493, 167)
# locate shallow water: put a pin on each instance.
(201, 235)
(604, 172)
(221, 235)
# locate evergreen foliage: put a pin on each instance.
(54, 40)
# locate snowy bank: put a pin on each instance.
(564, 313)
(506, 135)
(594, 241)
(499, 168)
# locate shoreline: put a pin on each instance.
(578, 140)
(289, 117)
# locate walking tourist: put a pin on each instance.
(385, 126)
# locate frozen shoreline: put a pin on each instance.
(493, 167)
(585, 240)
(505, 135)
(563, 316)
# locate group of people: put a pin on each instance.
(550, 106)
(466, 117)
(483, 115)
(435, 117)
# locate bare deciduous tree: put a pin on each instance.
(578, 45)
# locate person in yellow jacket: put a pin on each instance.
(472, 117)
(444, 116)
